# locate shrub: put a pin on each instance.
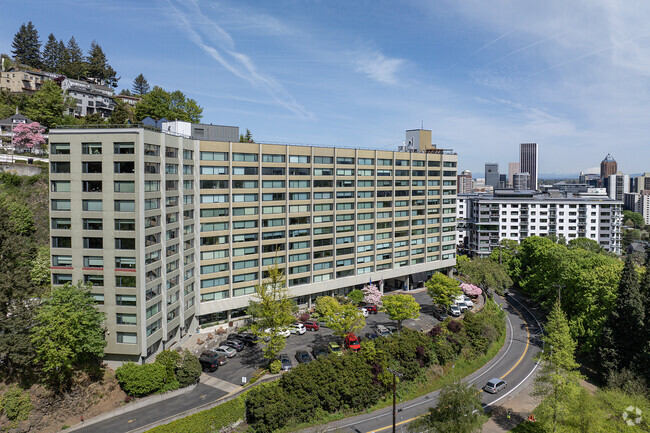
(356, 296)
(170, 360)
(16, 404)
(275, 366)
(140, 380)
(189, 370)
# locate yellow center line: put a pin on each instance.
(507, 373)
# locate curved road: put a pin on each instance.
(515, 363)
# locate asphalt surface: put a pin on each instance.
(515, 363)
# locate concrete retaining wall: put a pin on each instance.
(20, 169)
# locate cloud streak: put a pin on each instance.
(377, 66)
(220, 46)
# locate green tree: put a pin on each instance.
(458, 410)
(636, 218)
(159, 103)
(558, 381)
(506, 255)
(140, 85)
(326, 306)
(122, 113)
(585, 244)
(189, 369)
(247, 138)
(442, 290)
(622, 337)
(68, 334)
(51, 54)
(98, 67)
(356, 296)
(400, 307)
(347, 319)
(47, 105)
(75, 65)
(40, 269)
(27, 46)
(486, 272)
(272, 311)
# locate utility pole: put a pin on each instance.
(395, 374)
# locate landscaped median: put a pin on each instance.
(335, 387)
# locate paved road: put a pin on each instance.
(515, 363)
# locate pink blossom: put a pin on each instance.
(372, 294)
(471, 289)
(29, 135)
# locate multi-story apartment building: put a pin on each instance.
(90, 98)
(517, 215)
(639, 203)
(173, 230)
(464, 182)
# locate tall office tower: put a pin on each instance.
(521, 181)
(608, 167)
(617, 185)
(528, 162)
(641, 183)
(513, 167)
(464, 181)
(492, 174)
(503, 181)
(175, 232)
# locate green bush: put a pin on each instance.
(209, 420)
(170, 359)
(16, 404)
(140, 380)
(275, 366)
(189, 370)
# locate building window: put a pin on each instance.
(91, 148)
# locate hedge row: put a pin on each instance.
(208, 421)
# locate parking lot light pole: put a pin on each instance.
(395, 374)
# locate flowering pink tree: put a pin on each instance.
(372, 294)
(471, 289)
(30, 136)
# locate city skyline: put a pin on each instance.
(483, 79)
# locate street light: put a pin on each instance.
(395, 374)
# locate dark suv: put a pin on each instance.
(209, 363)
(246, 338)
(439, 313)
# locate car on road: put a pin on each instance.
(311, 325)
(247, 338)
(382, 331)
(363, 311)
(229, 351)
(209, 363)
(319, 351)
(454, 311)
(235, 344)
(439, 313)
(297, 328)
(303, 357)
(495, 385)
(222, 359)
(334, 347)
(372, 309)
(352, 343)
(285, 361)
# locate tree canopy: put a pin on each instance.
(26, 46)
(345, 319)
(140, 85)
(400, 307)
(442, 290)
(636, 218)
(47, 105)
(159, 103)
(98, 67)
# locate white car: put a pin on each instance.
(454, 310)
(284, 332)
(462, 306)
(228, 351)
(298, 328)
(364, 311)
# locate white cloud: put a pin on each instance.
(377, 66)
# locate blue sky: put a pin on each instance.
(572, 75)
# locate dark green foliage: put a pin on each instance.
(170, 359)
(26, 46)
(75, 64)
(189, 370)
(122, 114)
(635, 218)
(15, 404)
(486, 273)
(140, 85)
(411, 350)
(356, 296)
(141, 380)
(247, 138)
(47, 105)
(159, 103)
(52, 55)
(98, 67)
(275, 366)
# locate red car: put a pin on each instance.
(311, 325)
(372, 309)
(352, 342)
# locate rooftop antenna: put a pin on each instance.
(422, 125)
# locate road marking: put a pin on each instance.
(131, 420)
(527, 341)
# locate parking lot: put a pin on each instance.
(249, 360)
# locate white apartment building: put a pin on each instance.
(518, 215)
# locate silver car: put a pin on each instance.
(495, 385)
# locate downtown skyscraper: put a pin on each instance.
(528, 162)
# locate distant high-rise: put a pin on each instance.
(521, 181)
(617, 185)
(528, 162)
(513, 167)
(492, 174)
(464, 182)
(608, 167)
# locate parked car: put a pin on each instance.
(352, 343)
(454, 311)
(285, 361)
(382, 331)
(439, 314)
(372, 309)
(222, 359)
(303, 357)
(311, 325)
(235, 344)
(462, 306)
(363, 311)
(247, 338)
(297, 328)
(220, 352)
(319, 351)
(370, 336)
(229, 351)
(333, 347)
(284, 332)
(209, 363)
(495, 385)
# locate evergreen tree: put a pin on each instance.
(75, 66)
(140, 85)
(623, 336)
(51, 54)
(641, 362)
(558, 381)
(26, 46)
(248, 138)
(98, 67)
(63, 58)
(122, 114)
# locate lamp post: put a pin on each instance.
(395, 374)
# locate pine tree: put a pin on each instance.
(97, 62)
(63, 58)
(140, 85)
(623, 336)
(51, 54)
(75, 64)
(558, 381)
(26, 46)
